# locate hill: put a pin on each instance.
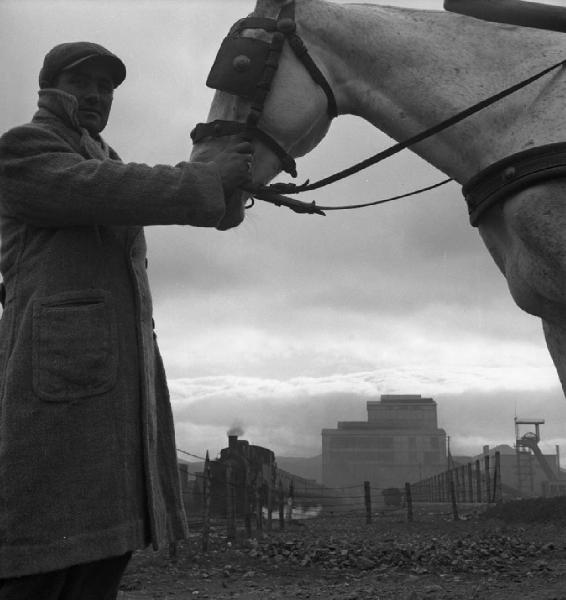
(309, 468)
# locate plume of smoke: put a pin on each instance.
(236, 429)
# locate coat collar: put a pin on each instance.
(62, 105)
(54, 103)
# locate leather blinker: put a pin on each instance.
(239, 66)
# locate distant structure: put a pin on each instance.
(399, 442)
(525, 472)
(535, 471)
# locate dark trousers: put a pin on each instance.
(97, 580)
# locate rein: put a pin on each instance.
(256, 85)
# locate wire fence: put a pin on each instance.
(237, 499)
(478, 481)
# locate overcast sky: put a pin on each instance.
(290, 323)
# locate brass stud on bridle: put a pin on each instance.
(241, 63)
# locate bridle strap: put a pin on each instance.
(301, 52)
(287, 24)
(221, 128)
(283, 28)
(291, 188)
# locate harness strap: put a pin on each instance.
(513, 174)
(291, 188)
(287, 24)
(253, 23)
(221, 128)
(303, 55)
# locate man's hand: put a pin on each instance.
(235, 163)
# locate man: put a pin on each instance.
(512, 12)
(88, 469)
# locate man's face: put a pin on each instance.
(92, 86)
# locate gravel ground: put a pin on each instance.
(516, 550)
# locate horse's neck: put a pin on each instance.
(405, 70)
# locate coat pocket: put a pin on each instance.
(75, 350)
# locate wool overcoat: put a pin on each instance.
(88, 463)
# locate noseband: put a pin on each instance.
(246, 66)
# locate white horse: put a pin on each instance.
(406, 70)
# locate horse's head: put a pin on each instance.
(269, 90)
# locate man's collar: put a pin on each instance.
(63, 105)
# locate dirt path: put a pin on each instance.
(345, 559)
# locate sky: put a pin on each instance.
(290, 323)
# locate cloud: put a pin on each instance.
(475, 406)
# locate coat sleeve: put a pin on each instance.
(45, 183)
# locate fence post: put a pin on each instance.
(270, 496)
(487, 479)
(470, 483)
(478, 482)
(206, 503)
(247, 501)
(230, 507)
(259, 502)
(409, 499)
(497, 491)
(455, 482)
(453, 497)
(281, 506)
(290, 501)
(463, 494)
(367, 499)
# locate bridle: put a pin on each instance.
(246, 66)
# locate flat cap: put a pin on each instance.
(66, 56)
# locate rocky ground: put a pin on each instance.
(515, 550)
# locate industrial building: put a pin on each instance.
(399, 442)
